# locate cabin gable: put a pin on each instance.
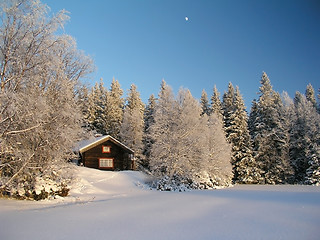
(107, 154)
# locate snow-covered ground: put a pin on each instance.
(118, 205)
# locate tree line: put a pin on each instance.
(201, 144)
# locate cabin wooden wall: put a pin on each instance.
(121, 159)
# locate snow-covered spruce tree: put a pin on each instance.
(238, 135)
(131, 130)
(310, 95)
(206, 109)
(96, 108)
(82, 98)
(270, 136)
(253, 117)
(114, 109)
(227, 110)
(216, 107)
(39, 117)
(147, 139)
(305, 141)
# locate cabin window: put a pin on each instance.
(106, 149)
(105, 162)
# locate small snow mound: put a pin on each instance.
(98, 184)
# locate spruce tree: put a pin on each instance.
(242, 159)
(83, 103)
(270, 137)
(310, 95)
(205, 103)
(253, 118)
(131, 130)
(228, 110)
(114, 109)
(305, 141)
(216, 107)
(148, 122)
(96, 108)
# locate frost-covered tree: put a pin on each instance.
(191, 149)
(184, 151)
(216, 107)
(205, 103)
(96, 108)
(165, 118)
(114, 109)
(148, 122)
(238, 135)
(270, 136)
(39, 115)
(287, 102)
(253, 117)
(310, 95)
(219, 153)
(228, 109)
(305, 141)
(82, 97)
(131, 130)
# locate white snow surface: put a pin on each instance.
(119, 205)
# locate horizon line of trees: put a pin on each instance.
(173, 136)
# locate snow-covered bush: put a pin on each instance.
(46, 184)
(174, 183)
(182, 183)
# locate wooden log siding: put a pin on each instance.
(122, 157)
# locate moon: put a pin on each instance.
(186, 18)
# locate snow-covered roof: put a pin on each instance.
(87, 144)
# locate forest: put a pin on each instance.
(185, 143)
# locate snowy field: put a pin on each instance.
(117, 205)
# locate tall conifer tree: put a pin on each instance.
(310, 95)
(305, 141)
(242, 158)
(228, 109)
(131, 130)
(148, 122)
(216, 103)
(205, 103)
(114, 109)
(270, 137)
(96, 108)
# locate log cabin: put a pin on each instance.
(106, 153)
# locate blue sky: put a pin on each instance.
(143, 42)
